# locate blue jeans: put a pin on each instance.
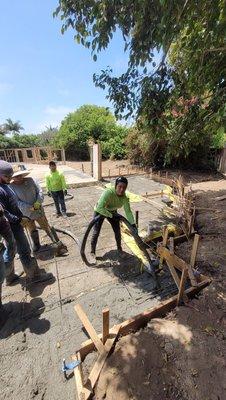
(22, 246)
(58, 198)
(2, 266)
(9, 252)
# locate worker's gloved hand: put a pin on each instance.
(37, 205)
(23, 221)
(135, 228)
(65, 192)
(49, 194)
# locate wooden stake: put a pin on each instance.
(164, 242)
(194, 250)
(82, 392)
(173, 272)
(96, 370)
(89, 328)
(182, 286)
(105, 329)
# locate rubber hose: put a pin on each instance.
(136, 237)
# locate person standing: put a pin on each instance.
(57, 188)
(112, 199)
(17, 222)
(30, 198)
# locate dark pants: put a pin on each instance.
(96, 231)
(22, 246)
(58, 198)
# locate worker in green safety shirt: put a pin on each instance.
(112, 199)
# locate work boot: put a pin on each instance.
(34, 274)
(11, 277)
(64, 214)
(59, 248)
(4, 315)
(35, 240)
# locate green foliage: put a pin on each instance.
(181, 100)
(90, 123)
(19, 141)
(12, 127)
(47, 137)
(114, 146)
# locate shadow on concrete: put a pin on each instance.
(25, 315)
(36, 288)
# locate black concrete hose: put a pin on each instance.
(136, 237)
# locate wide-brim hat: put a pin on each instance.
(19, 172)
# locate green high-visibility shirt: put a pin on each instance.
(110, 201)
(55, 181)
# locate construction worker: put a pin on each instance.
(57, 188)
(17, 221)
(30, 198)
(112, 199)
(9, 243)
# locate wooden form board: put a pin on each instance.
(178, 262)
(85, 389)
(140, 320)
(89, 328)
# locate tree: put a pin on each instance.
(2, 130)
(93, 123)
(189, 37)
(12, 127)
(46, 138)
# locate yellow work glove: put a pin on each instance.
(37, 205)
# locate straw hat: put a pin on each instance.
(17, 171)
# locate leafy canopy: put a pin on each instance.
(181, 99)
(90, 123)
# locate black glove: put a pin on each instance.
(49, 194)
(135, 228)
(65, 192)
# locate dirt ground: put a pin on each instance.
(183, 355)
(43, 327)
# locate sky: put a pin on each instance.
(44, 75)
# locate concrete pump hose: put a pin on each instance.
(136, 237)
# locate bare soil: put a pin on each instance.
(183, 355)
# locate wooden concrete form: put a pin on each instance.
(32, 155)
(139, 321)
(104, 346)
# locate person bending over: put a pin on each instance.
(107, 206)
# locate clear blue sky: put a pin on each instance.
(43, 74)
